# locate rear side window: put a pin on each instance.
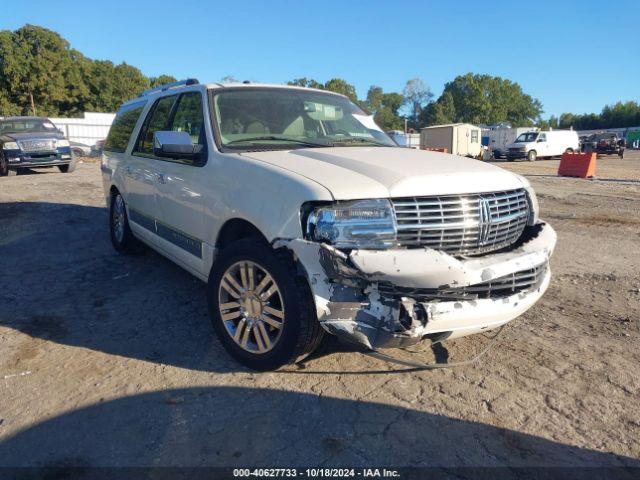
(122, 127)
(157, 120)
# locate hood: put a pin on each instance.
(11, 136)
(379, 172)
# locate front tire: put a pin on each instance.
(532, 155)
(70, 167)
(262, 310)
(122, 238)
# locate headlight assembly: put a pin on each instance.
(63, 143)
(353, 224)
(10, 146)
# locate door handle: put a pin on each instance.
(161, 178)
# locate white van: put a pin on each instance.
(548, 143)
(499, 138)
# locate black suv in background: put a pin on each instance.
(604, 143)
(28, 142)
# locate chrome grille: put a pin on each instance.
(497, 288)
(462, 224)
(37, 145)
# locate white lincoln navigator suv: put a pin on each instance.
(303, 217)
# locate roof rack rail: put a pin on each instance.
(167, 86)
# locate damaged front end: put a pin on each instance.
(398, 297)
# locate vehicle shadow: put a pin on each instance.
(232, 426)
(63, 282)
(37, 171)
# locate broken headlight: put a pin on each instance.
(353, 224)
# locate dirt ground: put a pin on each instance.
(108, 360)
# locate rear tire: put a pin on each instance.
(532, 155)
(291, 329)
(569, 150)
(497, 154)
(122, 238)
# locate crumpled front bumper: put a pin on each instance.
(351, 303)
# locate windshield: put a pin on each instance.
(27, 125)
(277, 118)
(527, 137)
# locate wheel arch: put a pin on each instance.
(236, 229)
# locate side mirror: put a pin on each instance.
(175, 145)
(540, 140)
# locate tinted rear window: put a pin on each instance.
(123, 126)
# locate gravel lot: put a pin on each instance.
(110, 360)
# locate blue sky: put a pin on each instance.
(574, 56)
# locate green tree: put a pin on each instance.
(129, 82)
(35, 66)
(161, 80)
(384, 107)
(305, 82)
(485, 99)
(416, 97)
(38, 66)
(337, 85)
(441, 112)
(341, 86)
(373, 103)
(6, 107)
(621, 114)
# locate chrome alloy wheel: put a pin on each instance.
(251, 306)
(118, 218)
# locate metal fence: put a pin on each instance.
(87, 130)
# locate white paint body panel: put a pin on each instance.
(377, 172)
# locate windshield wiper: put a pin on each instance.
(273, 137)
(346, 141)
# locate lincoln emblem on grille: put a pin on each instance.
(484, 221)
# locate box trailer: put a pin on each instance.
(458, 138)
(409, 140)
(500, 137)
